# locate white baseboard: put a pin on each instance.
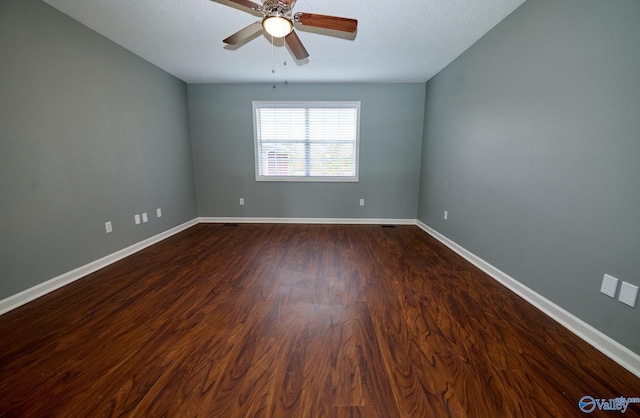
(334, 221)
(42, 289)
(608, 346)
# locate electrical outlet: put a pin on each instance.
(361, 202)
(159, 213)
(108, 227)
(145, 218)
(609, 286)
(136, 219)
(242, 201)
(628, 294)
(446, 215)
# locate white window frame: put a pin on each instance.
(306, 104)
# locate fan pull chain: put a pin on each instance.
(284, 50)
(273, 63)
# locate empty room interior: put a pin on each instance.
(468, 246)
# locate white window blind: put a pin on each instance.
(306, 141)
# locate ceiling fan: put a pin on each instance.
(279, 22)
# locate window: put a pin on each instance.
(306, 141)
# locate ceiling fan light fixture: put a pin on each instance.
(277, 26)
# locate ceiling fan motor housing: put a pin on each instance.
(274, 8)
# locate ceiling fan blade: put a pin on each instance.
(295, 45)
(342, 24)
(245, 33)
(246, 3)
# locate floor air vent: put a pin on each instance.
(230, 225)
(388, 226)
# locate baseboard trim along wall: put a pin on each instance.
(608, 346)
(310, 221)
(42, 289)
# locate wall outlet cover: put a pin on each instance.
(136, 219)
(145, 218)
(628, 294)
(159, 213)
(609, 286)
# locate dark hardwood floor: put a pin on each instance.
(296, 321)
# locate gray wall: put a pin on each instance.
(89, 132)
(532, 143)
(391, 123)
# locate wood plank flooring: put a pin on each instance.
(295, 321)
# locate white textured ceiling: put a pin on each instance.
(397, 41)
